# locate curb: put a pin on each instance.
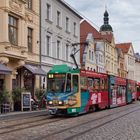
(13, 115)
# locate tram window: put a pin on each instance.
(68, 84)
(90, 84)
(120, 90)
(96, 84)
(83, 83)
(113, 90)
(106, 84)
(129, 87)
(102, 84)
(123, 90)
(138, 88)
(75, 83)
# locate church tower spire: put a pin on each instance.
(106, 26)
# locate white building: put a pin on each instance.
(90, 63)
(137, 67)
(60, 28)
(100, 57)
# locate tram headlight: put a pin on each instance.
(60, 102)
(50, 102)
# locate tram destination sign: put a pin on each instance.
(26, 101)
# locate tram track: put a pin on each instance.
(19, 119)
(73, 134)
(48, 120)
(98, 126)
(27, 124)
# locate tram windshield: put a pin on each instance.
(56, 83)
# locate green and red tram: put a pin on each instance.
(75, 91)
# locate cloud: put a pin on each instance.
(124, 17)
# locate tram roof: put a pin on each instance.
(63, 69)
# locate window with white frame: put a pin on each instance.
(74, 28)
(89, 54)
(48, 44)
(99, 58)
(48, 12)
(67, 24)
(58, 18)
(58, 49)
(92, 56)
(67, 52)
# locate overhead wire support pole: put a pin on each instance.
(73, 54)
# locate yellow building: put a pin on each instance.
(129, 59)
(19, 44)
(122, 72)
(110, 50)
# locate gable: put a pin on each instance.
(131, 50)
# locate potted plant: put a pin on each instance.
(4, 100)
(16, 96)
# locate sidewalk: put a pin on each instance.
(17, 114)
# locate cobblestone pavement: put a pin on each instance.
(103, 125)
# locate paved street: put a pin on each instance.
(121, 123)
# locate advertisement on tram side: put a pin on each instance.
(117, 91)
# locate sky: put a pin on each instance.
(124, 17)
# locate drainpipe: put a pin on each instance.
(40, 38)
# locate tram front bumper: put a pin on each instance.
(56, 111)
(52, 110)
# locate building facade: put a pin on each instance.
(19, 43)
(90, 60)
(129, 58)
(98, 63)
(60, 28)
(122, 72)
(100, 56)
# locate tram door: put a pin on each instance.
(113, 95)
(128, 95)
(76, 89)
(112, 92)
